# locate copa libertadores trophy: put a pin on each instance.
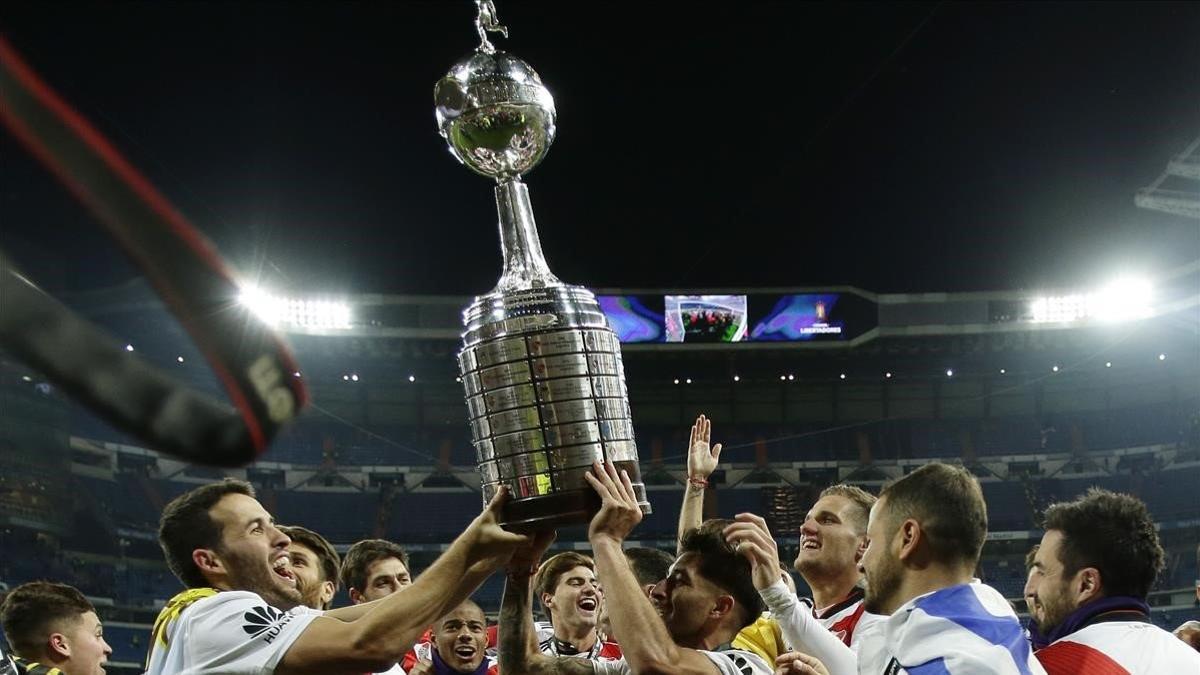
(541, 368)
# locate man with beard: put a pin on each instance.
(684, 627)
(374, 569)
(1097, 561)
(832, 540)
(567, 588)
(241, 611)
(458, 645)
(315, 564)
(53, 630)
(926, 532)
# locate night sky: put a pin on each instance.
(896, 147)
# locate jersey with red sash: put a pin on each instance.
(843, 618)
(1119, 648)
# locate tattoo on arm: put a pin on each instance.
(519, 651)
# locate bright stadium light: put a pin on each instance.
(1162, 357)
(1108, 364)
(888, 375)
(736, 378)
(688, 381)
(949, 372)
(179, 359)
(278, 311)
(1125, 299)
(128, 348)
(1055, 369)
(412, 378)
(842, 376)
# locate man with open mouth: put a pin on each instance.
(458, 645)
(567, 588)
(242, 609)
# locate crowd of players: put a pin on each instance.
(893, 579)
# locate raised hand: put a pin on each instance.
(702, 460)
(749, 536)
(491, 546)
(619, 511)
(526, 559)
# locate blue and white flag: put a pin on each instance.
(969, 629)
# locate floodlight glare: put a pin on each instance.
(1126, 298)
(278, 311)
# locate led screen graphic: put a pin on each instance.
(750, 318)
(634, 318)
(801, 317)
(705, 318)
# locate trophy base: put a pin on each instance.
(549, 512)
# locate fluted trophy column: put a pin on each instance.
(540, 366)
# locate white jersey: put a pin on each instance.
(602, 650)
(230, 633)
(846, 618)
(728, 662)
(1119, 648)
(804, 632)
(968, 629)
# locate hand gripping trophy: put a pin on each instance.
(540, 366)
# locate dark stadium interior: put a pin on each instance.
(939, 350)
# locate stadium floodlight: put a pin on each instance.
(677, 380)
(281, 312)
(354, 377)
(1108, 364)
(412, 378)
(1002, 371)
(688, 381)
(782, 378)
(842, 376)
(128, 348)
(888, 375)
(1055, 369)
(1162, 357)
(949, 372)
(1125, 299)
(736, 378)
(179, 359)
(297, 373)
(791, 377)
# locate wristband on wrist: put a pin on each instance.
(698, 481)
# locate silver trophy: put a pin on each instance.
(541, 368)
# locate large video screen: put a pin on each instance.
(705, 318)
(801, 317)
(755, 317)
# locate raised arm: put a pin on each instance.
(519, 651)
(750, 536)
(702, 461)
(354, 643)
(647, 645)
